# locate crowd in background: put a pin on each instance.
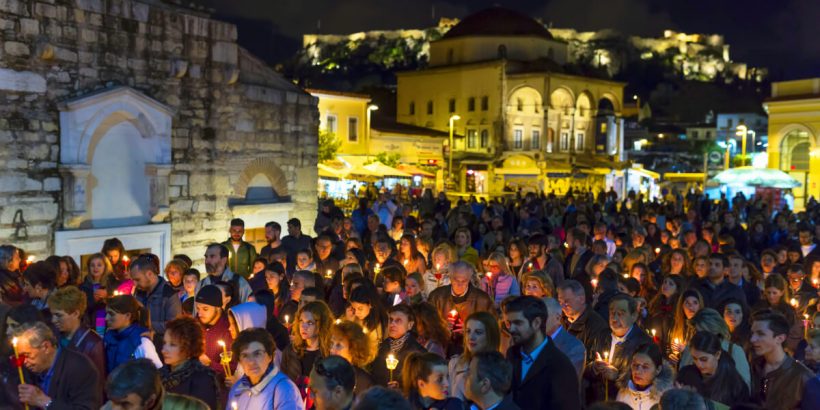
(531, 301)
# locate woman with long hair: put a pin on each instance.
(114, 250)
(776, 297)
(432, 330)
(310, 341)
(713, 374)
(277, 283)
(646, 379)
(736, 315)
(414, 288)
(711, 321)
(348, 340)
(409, 255)
(96, 291)
(645, 278)
(688, 305)
(517, 253)
(499, 282)
(425, 383)
(481, 334)
(127, 322)
(537, 283)
(369, 312)
(662, 307)
(183, 373)
(11, 282)
(676, 262)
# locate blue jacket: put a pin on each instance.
(121, 345)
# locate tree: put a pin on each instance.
(391, 160)
(328, 145)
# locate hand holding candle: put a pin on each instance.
(225, 358)
(391, 363)
(19, 363)
(329, 274)
(805, 326)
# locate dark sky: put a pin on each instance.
(782, 35)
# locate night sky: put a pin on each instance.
(782, 35)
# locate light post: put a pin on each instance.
(453, 118)
(370, 108)
(740, 131)
(754, 139)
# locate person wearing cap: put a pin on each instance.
(639, 235)
(216, 325)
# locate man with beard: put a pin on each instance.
(543, 377)
(272, 232)
(156, 294)
(579, 255)
(241, 253)
(294, 242)
(215, 322)
(540, 259)
(216, 261)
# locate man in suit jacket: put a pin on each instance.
(580, 320)
(64, 378)
(576, 262)
(543, 377)
(615, 348)
(488, 381)
(565, 342)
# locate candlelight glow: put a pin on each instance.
(14, 342)
(453, 313)
(338, 321)
(30, 259)
(794, 302)
(391, 362)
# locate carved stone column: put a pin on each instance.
(75, 183)
(158, 177)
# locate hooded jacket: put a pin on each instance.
(275, 391)
(248, 315)
(643, 400)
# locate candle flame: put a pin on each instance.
(657, 250)
(490, 275)
(438, 266)
(653, 332)
(594, 283)
(287, 319)
(14, 342)
(406, 261)
(125, 258)
(221, 343)
(234, 406)
(453, 312)
(626, 276)
(338, 321)
(364, 330)
(794, 302)
(31, 259)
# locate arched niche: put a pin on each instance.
(115, 159)
(261, 194)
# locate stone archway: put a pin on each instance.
(249, 178)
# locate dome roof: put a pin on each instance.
(498, 21)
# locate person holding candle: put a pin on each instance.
(615, 346)
(68, 379)
(439, 275)
(393, 280)
(408, 251)
(460, 295)
(256, 279)
(262, 386)
(183, 373)
(431, 329)
(543, 377)
(67, 306)
(310, 341)
(799, 288)
(216, 325)
(579, 319)
(127, 321)
(689, 304)
(709, 320)
(348, 340)
(646, 378)
(711, 372)
(400, 342)
(414, 288)
(662, 307)
(776, 297)
(517, 254)
(481, 334)
(425, 384)
(499, 282)
(369, 312)
(114, 251)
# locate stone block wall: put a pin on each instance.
(230, 110)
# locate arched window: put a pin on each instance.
(485, 138)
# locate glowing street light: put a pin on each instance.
(453, 118)
(370, 108)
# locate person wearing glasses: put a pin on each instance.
(263, 386)
(59, 385)
(332, 383)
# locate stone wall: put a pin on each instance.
(230, 110)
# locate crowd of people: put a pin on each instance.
(531, 301)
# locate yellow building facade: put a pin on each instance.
(794, 134)
(346, 115)
(521, 122)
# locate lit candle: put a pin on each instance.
(654, 336)
(30, 259)
(234, 406)
(18, 363)
(329, 274)
(406, 261)
(606, 357)
(438, 266)
(338, 321)
(391, 363)
(626, 276)
(224, 347)
(530, 266)
(453, 313)
(676, 345)
(287, 319)
(225, 358)
(377, 268)
(594, 283)
(657, 250)
(815, 282)
(364, 330)
(794, 303)
(805, 326)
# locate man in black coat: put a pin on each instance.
(579, 256)
(543, 377)
(579, 318)
(64, 378)
(613, 350)
(715, 288)
(400, 341)
(488, 381)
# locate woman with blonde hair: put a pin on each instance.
(499, 282)
(95, 287)
(439, 273)
(709, 320)
(481, 334)
(537, 283)
(173, 273)
(348, 340)
(310, 341)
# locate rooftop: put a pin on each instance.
(498, 21)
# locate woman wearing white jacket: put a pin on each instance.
(647, 377)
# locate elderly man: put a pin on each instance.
(460, 298)
(216, 264)
(65, 378)
(566, 343)
(156, 294)
(489, 380)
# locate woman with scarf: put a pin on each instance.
(183, 373)
(127, 334)
(400, 342)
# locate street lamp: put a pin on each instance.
(453, 118)
(371, 107)
(740, 131)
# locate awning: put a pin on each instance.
(328, 172)
(414, 170)
(683, 176)
(646, 172)
(757, 177)
(384, 171)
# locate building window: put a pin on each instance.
(430, 107)
(708, 134)
(536, 139)
(579, 141)
(564, 142)
(485, 138)
(485, 103)
(412, 108)
(695, 134)
(550, 140)
(353, 129)
(519, 104)
(472, 139)
(729, 122)
(471, 104)
(452, 105)
(331, 124)
(518, 138)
